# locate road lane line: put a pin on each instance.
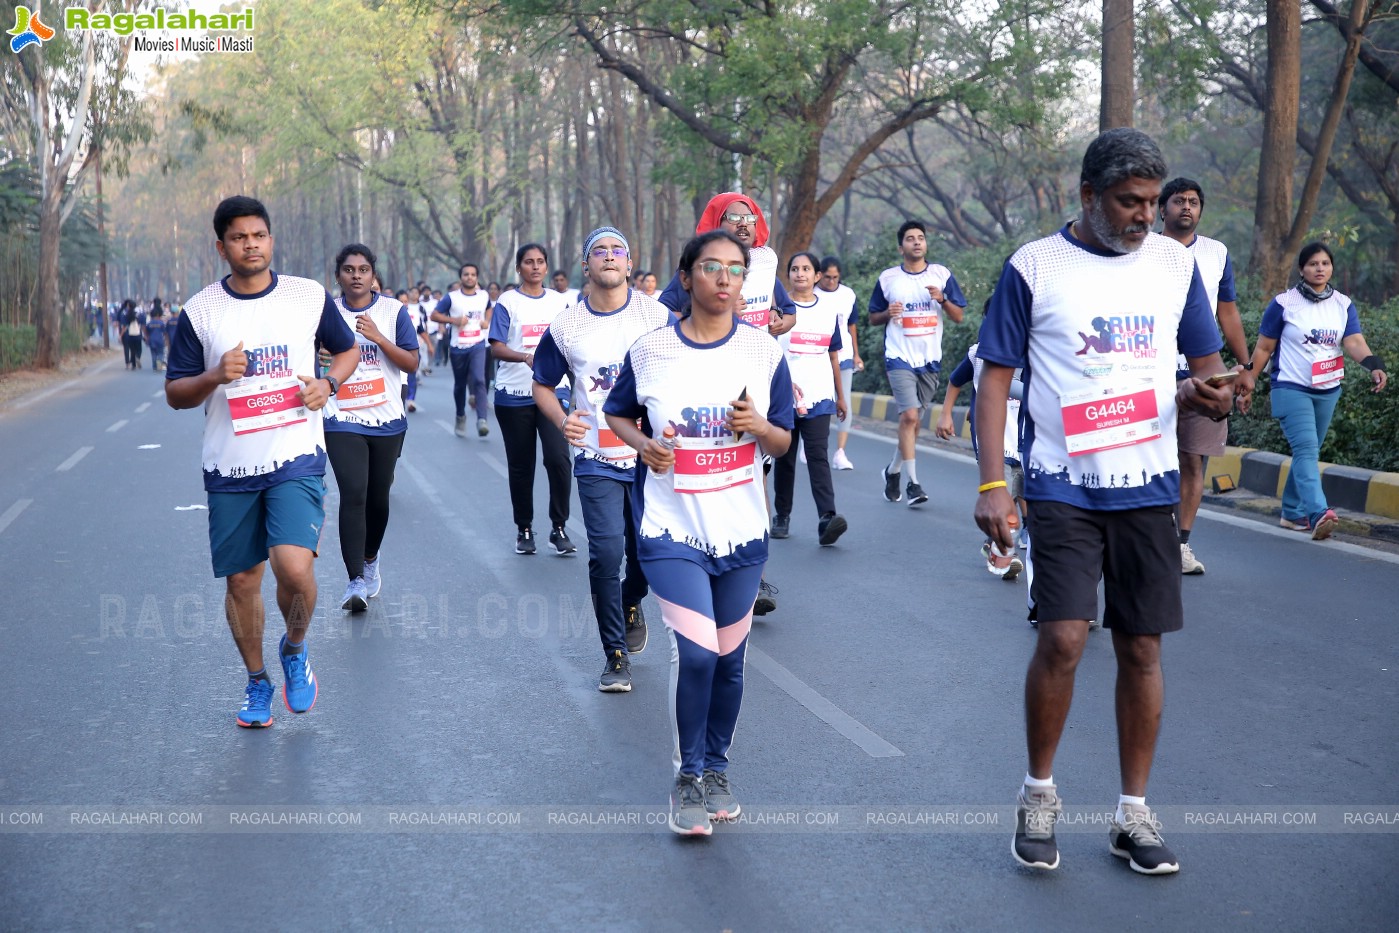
(446, 427)
(160, 394)
(12, 513)
(494, 463)
(118, 426)
(820, 707)
(142, 407)
(72, 461)
(420, 479)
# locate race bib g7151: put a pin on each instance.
(704, 465)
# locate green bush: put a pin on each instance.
(19, 341)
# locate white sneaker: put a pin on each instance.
(840, 461)
(801, 452)
(1188, 564)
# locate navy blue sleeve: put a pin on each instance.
(405, 335)
(333, 333)
(186, 356)
(1199, 334)
(878, 303)
(674, 296)
(1352, 321)
(1227, 292)
(550, 367)
(445, 305)
(500, 324)
(782, 410)
(1005, 334)
(836, 342)
(622, 400)
(953, 292)
(781, 300)
(963, 373)
(1272, 323)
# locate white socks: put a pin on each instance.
(1125, 799)
(1034, 783)
(910, 470)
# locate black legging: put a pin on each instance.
(814, 433)
(364, 465)
(519, 425)
(132, 346)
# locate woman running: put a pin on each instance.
(364, 421)
(519, 321)
(713, 396)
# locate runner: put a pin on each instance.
(763, 301)
(724, 391)
(519, 320)
(589, 341)
(245, 349)
(365, 422)
(909, 302)
(812, 349)
(829, 288)
(1096, 313)
(570, 295)
(156, 334)
(466, 312)
(1199, 437)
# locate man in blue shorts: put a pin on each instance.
(245, 349)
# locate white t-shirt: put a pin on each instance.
(914, 341)
(473, 306)
(808, 347)
(847, 306)
(1217, 274)
(711, 508)
(371, 400)
(256, 432)
(1098, 333)
(520, 321)
(1309, 335)
(592, 346)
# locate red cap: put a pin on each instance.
(714, 213)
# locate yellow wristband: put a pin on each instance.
(987, 487)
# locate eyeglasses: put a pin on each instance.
(616, 252)
(712, 269)
(741, 218)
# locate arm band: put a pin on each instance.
(1372, 362)
(987, 487)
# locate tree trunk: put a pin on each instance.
(102, 266)
(1119, 85)
(1272, 216)
(49, 319)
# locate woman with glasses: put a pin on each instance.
(1310, 326)
(713, 397)
(812, 347)
(519, 321)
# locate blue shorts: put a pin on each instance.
(243, 525)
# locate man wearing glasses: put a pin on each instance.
(590, 340)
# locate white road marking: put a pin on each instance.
(72, 461)
(142, 407)
(820, 707)
(118, 426)
(446, 427)
(12, 513)
(494, 463)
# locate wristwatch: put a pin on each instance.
(334, 386)
(1248, 367)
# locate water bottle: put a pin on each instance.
(668, 439)
(998, 560)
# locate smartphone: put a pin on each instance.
(1221, 379)
(742, 397)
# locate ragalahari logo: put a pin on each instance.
(28, 30)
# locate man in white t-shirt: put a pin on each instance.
(1200, 437)
(466, 313)
(1096, 314)
(245, 349)
(909, 302)
(570, 295)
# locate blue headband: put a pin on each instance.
(598, 234)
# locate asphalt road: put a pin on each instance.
(461, 771)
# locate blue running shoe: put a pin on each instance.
(372, 581)
(257, 704)
(356, 596)
(300, 688)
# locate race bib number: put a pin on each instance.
(803, 342)
(470, 335)
(1328, 372)
(609, 446)
(1011, 438)
(531, 334)
(1102, 419)
(264, 403)
(919, 325)
(713, 466)
(755, 315)
(364, 390)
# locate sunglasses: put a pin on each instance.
(616, 252)
(741, 218)
(712, 269)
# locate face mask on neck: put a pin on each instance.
(1312, 294)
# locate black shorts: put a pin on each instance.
(1135, 552)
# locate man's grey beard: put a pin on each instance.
(1098, 222)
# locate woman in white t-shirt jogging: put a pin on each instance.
(713, 396)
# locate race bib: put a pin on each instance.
(755, 315)
(1102, 419)
(1328, 372)
(531, 334)
(263, 403)
(1011, 439)
(611, 447)
(804, 342)
(364, 390)
(704, 464)
(470, 335)
(919, 325)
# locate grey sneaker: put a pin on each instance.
(372, 581)
(460, 428)
(767, 599)
(482, 429)
(688, 816)
(356, 596)
(719, 802)
(1189, 565)
(1138, 839)
(781, 526)
(1033, 844)
(616, 676)
(636, 629)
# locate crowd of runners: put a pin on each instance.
(1097, 381)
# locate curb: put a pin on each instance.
(1371, 493)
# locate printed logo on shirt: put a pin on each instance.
(1322, 337)
(369, 353)
(1134, 334)
(606, 377)
(268, 361)
(704, 421)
